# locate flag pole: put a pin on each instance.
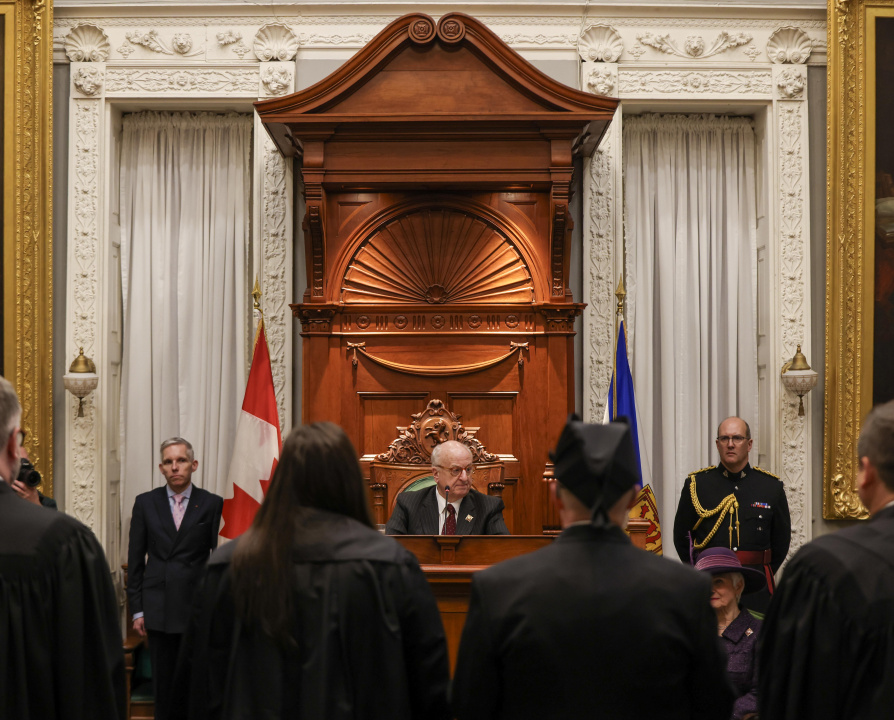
(620, 293)
(257, 312)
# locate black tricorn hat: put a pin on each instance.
(597, 463)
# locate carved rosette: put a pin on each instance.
(789, 45)
(83, 460)
(599, 248)
(431, 427)
(451, 29)
(276, 267)
(600, 43)
(791, 131)
(275, 42)
(422, 30)
(87, 43)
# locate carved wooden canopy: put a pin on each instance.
(437, 169)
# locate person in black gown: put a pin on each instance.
(312, 613)
(827, 647)
(61, 654)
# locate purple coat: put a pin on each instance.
(739, 640)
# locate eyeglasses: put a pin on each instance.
(456, 471)
(734, 439)
(21, 435)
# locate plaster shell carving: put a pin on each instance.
(789, 45)
(275, 41)
(87, 80)
(87, 43)
(600, 43)
(601, 82)
(276, 79)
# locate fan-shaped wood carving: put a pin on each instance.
(437, 255)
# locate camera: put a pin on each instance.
(28, 474)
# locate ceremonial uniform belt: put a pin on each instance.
(759, 557)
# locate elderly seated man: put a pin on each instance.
(452, 506)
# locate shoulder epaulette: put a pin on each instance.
(765, 472)
(704, 469)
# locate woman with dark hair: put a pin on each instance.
(312, 613)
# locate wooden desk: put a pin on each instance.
(450, 561)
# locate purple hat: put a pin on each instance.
(719, 560)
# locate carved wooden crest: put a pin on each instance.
(432, 426)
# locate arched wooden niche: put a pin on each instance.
(437, 168)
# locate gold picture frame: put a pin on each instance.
(851, 267)
(26, 28)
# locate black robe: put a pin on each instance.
(370, 639)
(591, 627)
(826, 650)
(60, 638)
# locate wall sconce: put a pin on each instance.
(799, 378)
(81, 379)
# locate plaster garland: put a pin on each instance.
(694, 82)
(180, 80)
(694, 45)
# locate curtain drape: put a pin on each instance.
(184, 212)
(690, 227)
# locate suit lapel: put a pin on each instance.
(429, 512)
(468, 508)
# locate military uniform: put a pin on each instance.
(745, 511)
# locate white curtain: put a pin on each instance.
(690, 226)
(184, 202)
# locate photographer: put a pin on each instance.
(28, 480)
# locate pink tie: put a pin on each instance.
(178, 510)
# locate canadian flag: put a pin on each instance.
(257, 445)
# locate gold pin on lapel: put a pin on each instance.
(469, 518)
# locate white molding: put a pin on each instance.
(789, 246)
(85, 481)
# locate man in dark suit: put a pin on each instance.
(451, 506)
(827, 644)
(176, 526)
(591, 626)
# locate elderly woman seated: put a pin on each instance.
(738, 629)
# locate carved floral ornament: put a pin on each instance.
(431, 427)
(277, 79)
(233, 40)
(694, 45)
(790, 83)
(600, 43)
(601, 81)
(87, 43)
(181, 43)
(87, 80)
(789, 45)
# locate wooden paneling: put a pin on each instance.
(382, 414)
(493, 413)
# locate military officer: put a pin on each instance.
(737, 506)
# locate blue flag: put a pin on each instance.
(622, 388)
